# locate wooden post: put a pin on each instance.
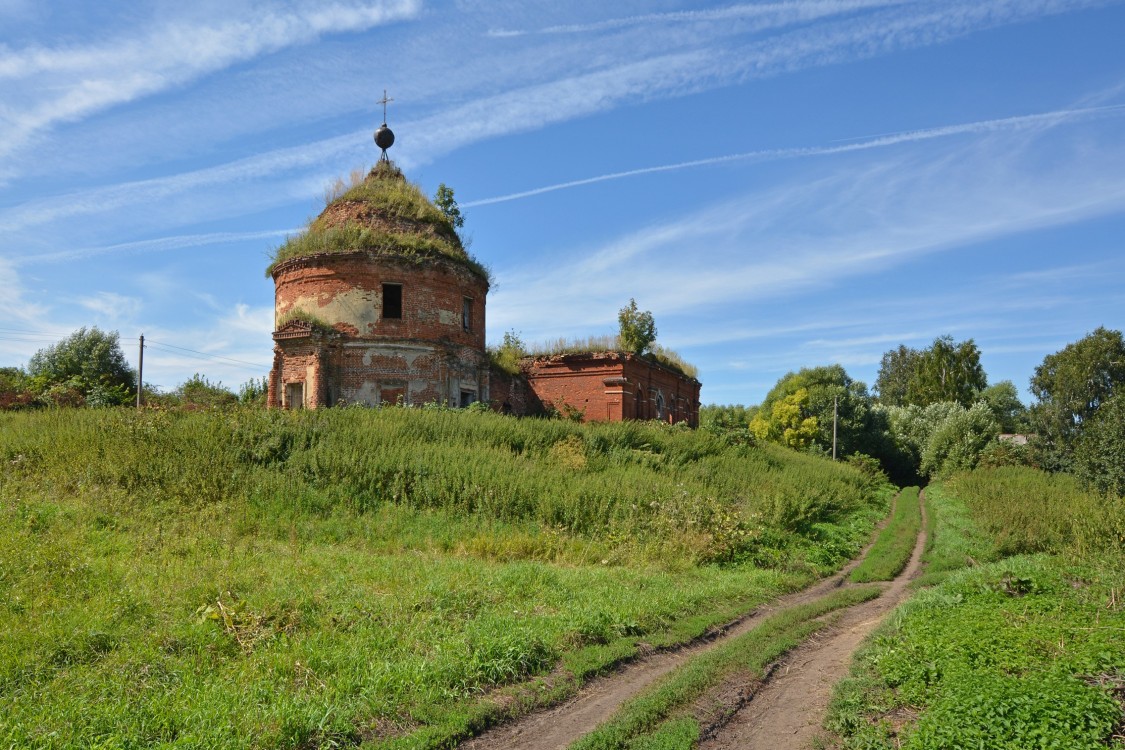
(141, 372)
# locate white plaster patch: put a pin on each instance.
(409, 354)
(358, 308)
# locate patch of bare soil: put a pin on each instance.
(557, 727)
(786, 713)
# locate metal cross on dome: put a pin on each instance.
(384, 101)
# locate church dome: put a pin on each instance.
(383, 215)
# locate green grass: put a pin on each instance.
(892, 549)
(1025, 510)
(962, 542)
(394, 577)
(352, 237)
(1008, 651)
(654, 719)
(389, 196)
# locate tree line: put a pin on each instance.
(88, 368)
(933, 413)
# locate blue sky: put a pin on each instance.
(783, 184)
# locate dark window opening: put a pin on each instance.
(467, 397)
(392, 301)
(467, 313)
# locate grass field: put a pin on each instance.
(392, 578)
(1022, 642)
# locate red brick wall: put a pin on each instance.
(609, 386)
(511, 394)
(425, 356)
(339, 370)
(346, 291)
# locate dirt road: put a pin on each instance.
(556, 728)
(787, 712)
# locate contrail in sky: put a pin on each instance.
(892, 139)
(155, 245)
(772, 14)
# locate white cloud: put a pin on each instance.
(112, 306)
(817, 233)
(65, 84)
(631, 73)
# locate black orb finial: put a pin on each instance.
(384, 136)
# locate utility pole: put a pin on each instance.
(834, 402)
(141, 372)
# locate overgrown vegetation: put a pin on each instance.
(507, 356)
(892, 549)
(394, 217)
(297, 579)
(637, 329)
(610, 343)
(315, 321)
(1020, 643)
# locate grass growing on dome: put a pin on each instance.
(391, 196)
(401, 199)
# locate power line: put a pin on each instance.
(205, 355)
(29, 339)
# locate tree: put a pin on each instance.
(958, 441)
(1100, 453)
(911, 427)
(827, 387)
(789, 421)
(89, 362)
(445, 201)
(1070, 386)
(947, 371)
(895, 373)
(1004, 402)
(638, 329)
(507, 356)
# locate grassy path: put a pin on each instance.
(789, 709)
(653, 697)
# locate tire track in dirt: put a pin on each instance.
(555, 728)
(786, 713)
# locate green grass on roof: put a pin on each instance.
(610, 343)
(389, 195)
(399, 199)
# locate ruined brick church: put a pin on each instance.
(378, 302)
